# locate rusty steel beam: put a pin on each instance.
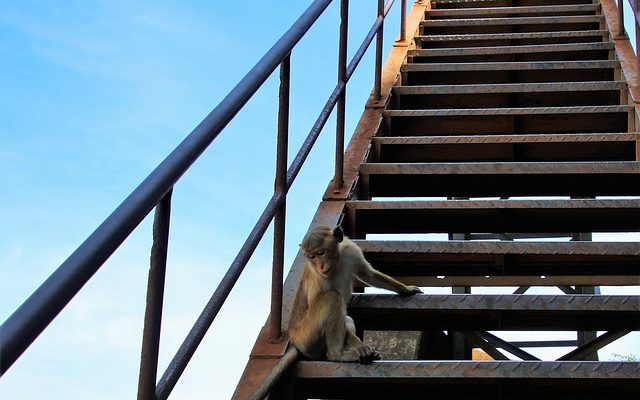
(496, 50)
(510, 347)
(578, 19)
(589, 348)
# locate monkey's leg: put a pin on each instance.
(339, 332)
(366, 352)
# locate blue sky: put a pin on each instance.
(94, 95)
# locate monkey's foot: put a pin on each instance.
(368, 354)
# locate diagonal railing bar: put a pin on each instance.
(187, 349)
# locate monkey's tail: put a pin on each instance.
(289, 357)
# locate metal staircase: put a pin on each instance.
(510, 127)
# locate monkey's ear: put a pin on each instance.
(338, 234)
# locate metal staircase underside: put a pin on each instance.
(509, 127)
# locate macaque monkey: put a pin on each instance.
(319, 326)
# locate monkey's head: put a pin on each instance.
(320, 246)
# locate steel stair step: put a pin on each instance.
(510, 11)
(530, 49)
(449, 23)
(500, 179)
(509, 36)
(494, 312)
(486, 380)
(510, 66)
(509, 88)
(486, 139)
(491, 216)
(509, 39)
(505, 263)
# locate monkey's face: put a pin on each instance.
(320, 246)
(324, 259)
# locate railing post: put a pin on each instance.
(275, 316)
(403, 20)
(378, 79)
(621, 18)
(338, 178)
(155, 296)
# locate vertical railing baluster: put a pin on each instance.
(275, 315)
(155, 296)
(378, 78)
(338, 178)
(403, 20)
(620, 18)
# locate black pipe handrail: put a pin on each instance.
(35, 314)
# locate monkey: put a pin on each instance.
(319, 326)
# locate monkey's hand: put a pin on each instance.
(410, 291)
(368, 354)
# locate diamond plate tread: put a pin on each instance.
(510, 66)
(575, 371)
(533, 138)
(513, 10)
(512, 21)
(493, 204)
(510, 88)
(501, 247)
(426, 304)
(495, 50)
(509, 36)
(508, 111)
(609, 167)
(530, 138)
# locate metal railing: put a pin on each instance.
(35, 314)
(622, 28)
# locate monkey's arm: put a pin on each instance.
(373, 277)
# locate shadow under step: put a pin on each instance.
(508, 72)
(510, 24)
(517, 148)
(522, 120)
(489, 216)
(552, 10)
(546, 52)
(500, 179)
(429, 263)
(495, 312)
(457, 379)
